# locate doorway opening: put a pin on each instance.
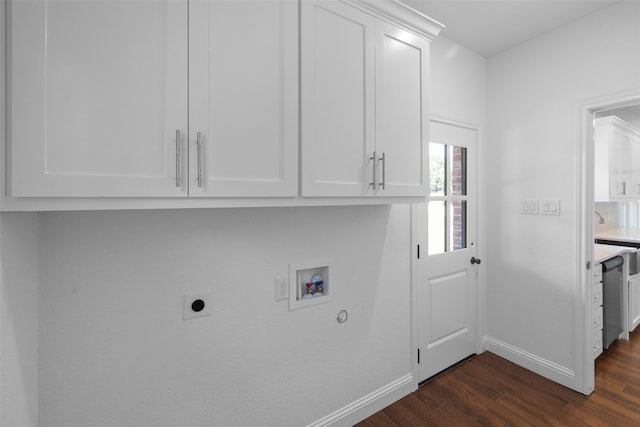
(598, 213)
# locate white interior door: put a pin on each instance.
(447, 284)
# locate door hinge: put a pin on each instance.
(418, 355)
(418, 251)
(588, 265)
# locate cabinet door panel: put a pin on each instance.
(244, 98)
(337, 99)
(98, 90)
(634, 303)
(402, 64)
(620, 155)
(634, 166)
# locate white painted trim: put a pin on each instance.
(584, 366)
(36, 204)
(415, 241)
(3, 133)
(401, 15)
(530, 361)
(3, 99)
(369, 404)
(452, 122)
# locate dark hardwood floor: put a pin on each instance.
(490, 391)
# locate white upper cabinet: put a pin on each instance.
(108, 98)
(634, 159)
(364, 99)
(617, 160)
(338, 103)
(402, 114)
(138, 103)
(243, 98)
(97, 98)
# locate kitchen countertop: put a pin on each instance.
(604, 252)
(624, 234)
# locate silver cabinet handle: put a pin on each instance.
(178, 158)
(199, 148)
(383, 160)
(374, 181)
(624, 188)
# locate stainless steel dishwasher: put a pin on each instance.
(612, 299)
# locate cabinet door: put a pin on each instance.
(402, 66)
(243, 98)
(620, 179)
(634, 302)
(98, 97)
(634, 162)
(602, 163)
(337, 98)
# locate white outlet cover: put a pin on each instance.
(281, 288)
(189, 299)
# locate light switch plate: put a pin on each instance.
(529, 207)
(549, 207)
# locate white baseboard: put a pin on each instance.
(532, 362)
(369, 404)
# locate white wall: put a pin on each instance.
(107, 328)
(458, 83)
(19, 280)
(459, 93)
(115, 351)
(535, 91)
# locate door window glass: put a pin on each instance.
(447, 206)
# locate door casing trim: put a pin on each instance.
(584, 364)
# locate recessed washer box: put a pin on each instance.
(310, 283)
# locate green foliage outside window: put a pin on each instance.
(436, 170)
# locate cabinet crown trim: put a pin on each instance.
(402, 14)
(616, 121)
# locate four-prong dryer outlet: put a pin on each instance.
(197, 305)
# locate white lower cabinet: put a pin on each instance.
(364, 103)
(634, 302)
(153, 98)
(597, 316)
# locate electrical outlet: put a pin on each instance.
(197, 305)
(281, 289)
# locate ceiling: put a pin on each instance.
(489, 27)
